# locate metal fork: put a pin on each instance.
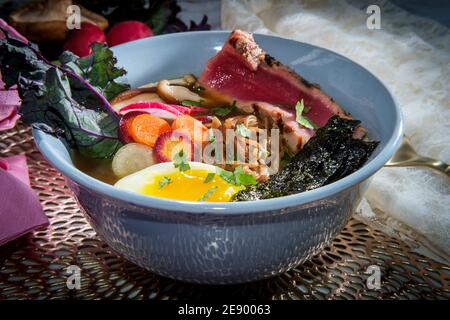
(406, 156)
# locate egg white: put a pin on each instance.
(137, 181)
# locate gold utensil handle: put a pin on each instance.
(431, 163)
(406, 156)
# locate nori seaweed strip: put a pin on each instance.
(330, 155)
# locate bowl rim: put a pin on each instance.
(244, 207)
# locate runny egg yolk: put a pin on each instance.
(190, 185)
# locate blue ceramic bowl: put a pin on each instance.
(219, 243)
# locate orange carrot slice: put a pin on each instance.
(146, 128)
(194, 128)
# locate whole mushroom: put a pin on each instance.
(46, 21)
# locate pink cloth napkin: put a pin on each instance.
(20, 209)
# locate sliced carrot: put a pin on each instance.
(196, 130)
(146, 128)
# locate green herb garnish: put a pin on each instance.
(180, 161)
(212, 137)
(191, 103)
(302, 119)
(225, 110)
(243, 131)
(222, 111)
(242, 178)
(164, 182)
(208, 193)
(228, 176)
(209, 177)
(238, 177)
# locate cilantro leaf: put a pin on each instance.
(208, 193)
(302, 119)
(209, 177)
(212, 137)
(242, 178)
(228, 176)
(224, 110)
(243, 131)
(190, 103)
(238, 177)
(180, 161)
(164, 182)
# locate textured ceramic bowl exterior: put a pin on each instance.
(219, 243)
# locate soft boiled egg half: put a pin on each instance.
(199, 183)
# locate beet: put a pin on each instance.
(171, 142)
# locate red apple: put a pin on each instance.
(127, 31)
(79, 40)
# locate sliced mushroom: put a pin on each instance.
(46, 21)
(135, 95)
(174, 93)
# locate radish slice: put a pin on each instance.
(204, 119)
(131, 158)
(153, 105)
(133, 96)
(171, 108)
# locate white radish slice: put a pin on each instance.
(131, 158)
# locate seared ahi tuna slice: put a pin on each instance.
(242, 71)
(294, 135)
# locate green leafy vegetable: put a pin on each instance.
(225, 110)
(98, 68)
(243, 131)
(209, 177)
(330, 155)
(238, 177)
(208, 193)
(180, 161)
(302, 119)
(164, 182)
(190, 103)
(159, 18)
(59, 100)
